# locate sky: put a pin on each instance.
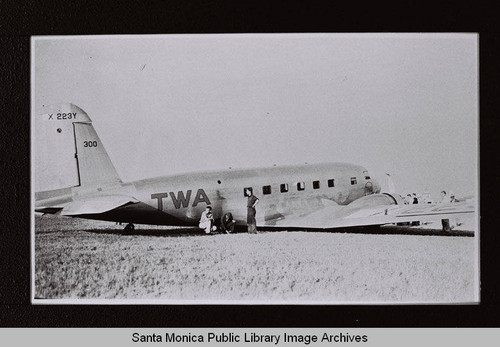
(406, 104)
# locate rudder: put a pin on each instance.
(68, 151)
(95, 167)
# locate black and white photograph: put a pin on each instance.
(294, 169)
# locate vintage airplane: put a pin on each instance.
(323, 196)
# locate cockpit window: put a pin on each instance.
(367, 175)
(354, 180)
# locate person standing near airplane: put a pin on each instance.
(207, 220)
(445, 222)
(456, 221)
(251, 202)
(414, 201)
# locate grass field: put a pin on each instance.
(80, 259)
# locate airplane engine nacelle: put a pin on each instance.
(377, 200)
(398, 200)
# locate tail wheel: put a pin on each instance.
(129, 229)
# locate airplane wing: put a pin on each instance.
(330, 217)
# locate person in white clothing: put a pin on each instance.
(207, 220)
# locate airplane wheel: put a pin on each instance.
(129, 229)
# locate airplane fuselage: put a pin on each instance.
(282, 192)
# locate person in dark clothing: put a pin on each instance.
(251, 202)
(415, 201)
(445, 223)
(227, 223)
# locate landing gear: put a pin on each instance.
(129, 229)
(446, 225)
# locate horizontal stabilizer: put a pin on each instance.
(48, 210)
(96, 205)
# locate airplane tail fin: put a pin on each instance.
(68, 151)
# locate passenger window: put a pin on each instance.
(301, 186)
(331, 183)
(266, 190)
(316, 184)
(245, 191)
(354, 181)
(284, 187)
